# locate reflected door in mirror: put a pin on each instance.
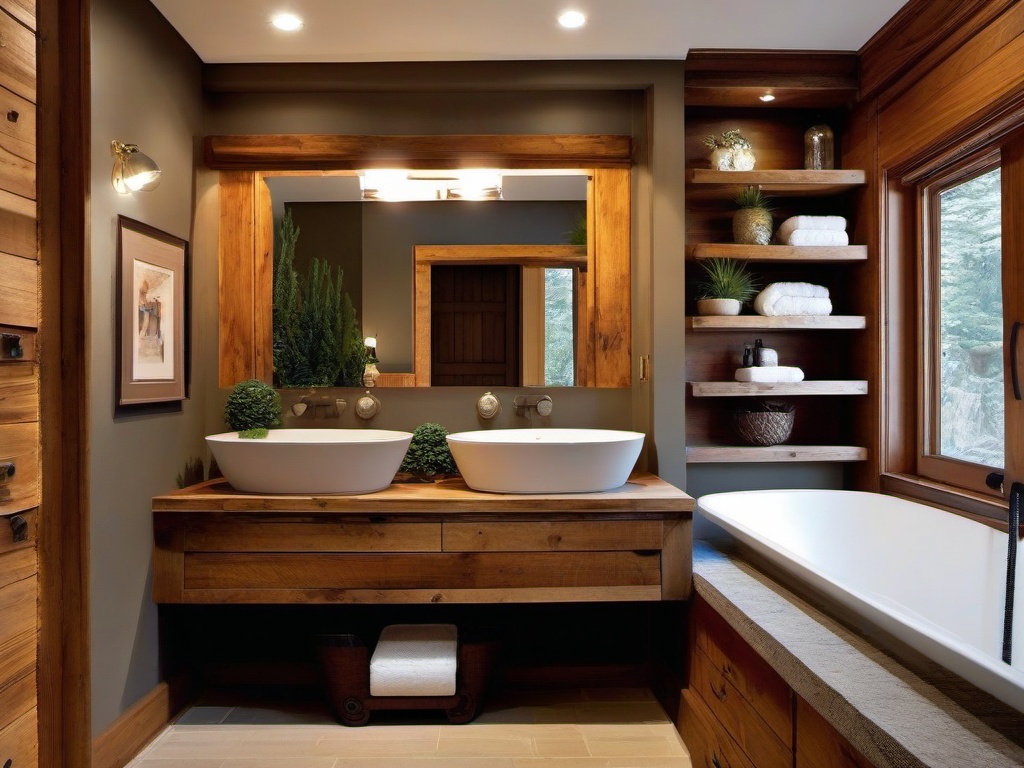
(475, 325)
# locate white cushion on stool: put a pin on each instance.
(415, 660)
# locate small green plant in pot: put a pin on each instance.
(752, 223)
(726, 286)
(252, 408)
(428, 454)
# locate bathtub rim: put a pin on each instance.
(940, 645)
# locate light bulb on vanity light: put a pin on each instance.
(370, 372)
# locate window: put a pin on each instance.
(963, 407)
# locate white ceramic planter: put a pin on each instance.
(718, 306)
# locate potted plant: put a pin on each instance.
(727, 285)
(429, 455)
(252, 408)
(730, 151)
(752, 223)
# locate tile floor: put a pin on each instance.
(579, 728)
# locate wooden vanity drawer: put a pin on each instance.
(441, 577)
(18, 611)
(738, 716)
(709, 744)
(551, 536)
(19, 742)
(734, 660)
(19, 290)
(7, 542)
(819, 745)
(19, 443)
(344, 536)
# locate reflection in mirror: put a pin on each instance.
(372, 243)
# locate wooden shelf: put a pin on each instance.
(757, 389)
(777, 182)
(711, 454)
(779, 323)
(806, 253)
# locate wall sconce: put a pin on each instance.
(133, 170)
(370, 372)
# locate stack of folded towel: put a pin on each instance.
(793, 299)
(813, 230)
(770, 374)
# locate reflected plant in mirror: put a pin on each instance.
(317, 340)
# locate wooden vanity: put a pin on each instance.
(423, 543)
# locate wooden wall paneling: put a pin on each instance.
(19, 393)
(17, 144)
(19, 289)
(18, 64)
(777, 137)
(18, 224)
(19, 743)
(20, 443)
(921, 35)
(237, 284)
(977, 82)
(18, 566)
(860, 150)
(340, 152)
(422, 292)
(613, 315)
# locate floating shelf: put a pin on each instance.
(806, 253)
(757, 389)
(778, 323)
(712, 454)
(804, 183)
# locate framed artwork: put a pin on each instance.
(152, 314)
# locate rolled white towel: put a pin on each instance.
(773, 374)
(415, 660)
(764, 302)
(832, 223)
(801, 305)
(816, 237)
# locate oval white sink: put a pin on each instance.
(311, 461)
(545, 460)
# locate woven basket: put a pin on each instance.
(764, 427)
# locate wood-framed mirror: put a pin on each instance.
(602, 305)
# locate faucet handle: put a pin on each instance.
(488, 406)
(544, 406)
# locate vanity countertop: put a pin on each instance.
(643, 493)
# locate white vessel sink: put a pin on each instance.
(311, 461)
(545, 460)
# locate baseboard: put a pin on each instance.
(138, 725)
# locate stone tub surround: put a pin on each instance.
(890, 715)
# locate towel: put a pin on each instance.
(816, 237)
(772, 374)
(415, 660)
(793, 299)
(831, 223)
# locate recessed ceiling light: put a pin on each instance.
(767, 97)
(572, 19)
(288, 22)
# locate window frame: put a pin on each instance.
(930, 464)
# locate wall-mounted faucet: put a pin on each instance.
(325, 405)
(526, 403)
(367, 406)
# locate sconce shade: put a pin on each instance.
(133, 170)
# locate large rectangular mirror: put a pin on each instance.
(482, 292)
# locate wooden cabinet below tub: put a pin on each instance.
(430, 543)
(738, 712)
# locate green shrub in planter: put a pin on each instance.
(252, 405)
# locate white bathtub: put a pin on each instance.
(933, 580)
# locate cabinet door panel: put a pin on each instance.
(819, 745)
(737, 662)
(19, 746)
(709, 744)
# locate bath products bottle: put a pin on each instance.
(819, 148)
(748, 357)
(758, 346)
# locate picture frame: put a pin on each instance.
(152, 314)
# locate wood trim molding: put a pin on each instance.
(352, 152)
(819, 79)
(923, 34)
(138, 725)
(63, 173)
